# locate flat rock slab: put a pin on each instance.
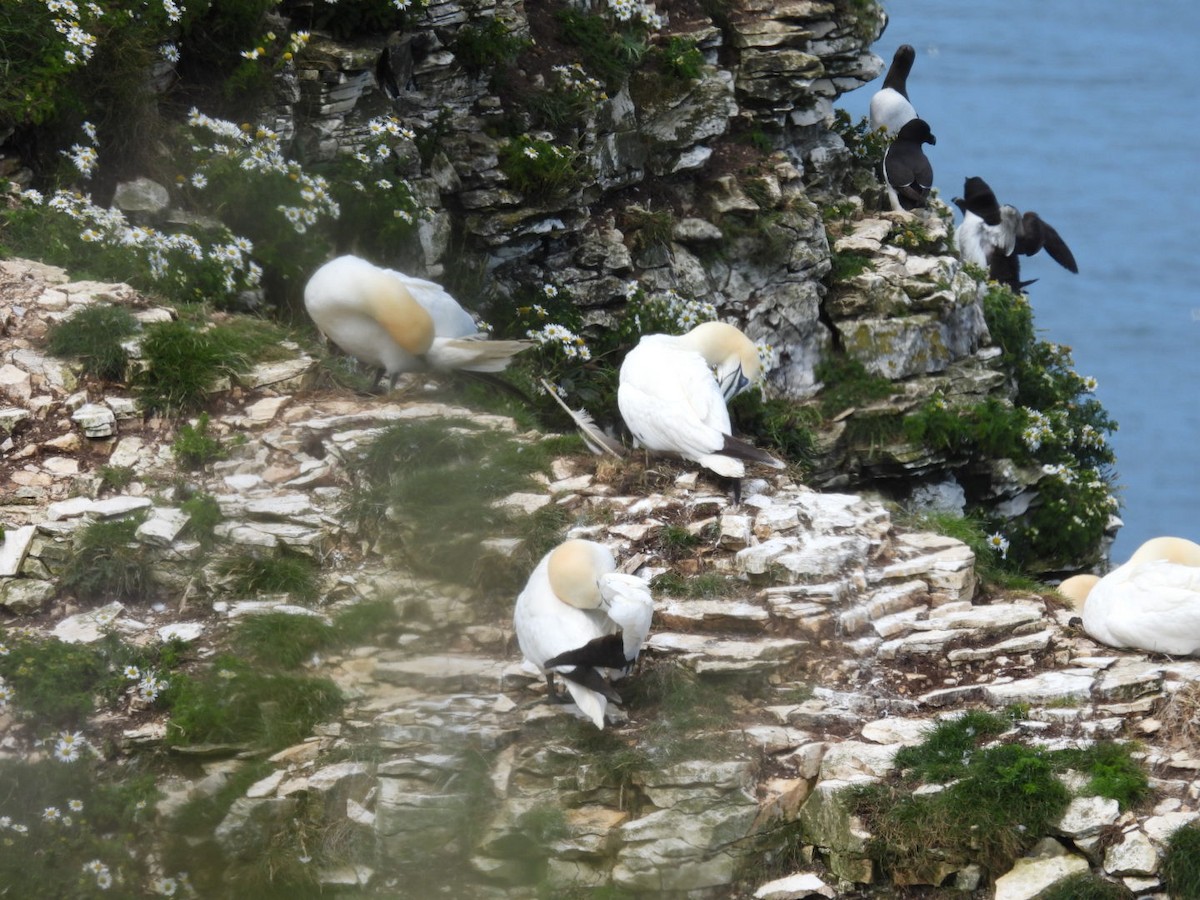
(444, 672)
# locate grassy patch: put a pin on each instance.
(204, 514)
(997, 799)
(706, 586)
(1181, 863)
(93, 335)
(184, 363)
(1086, 886)
(847, 383)
(280, 573)
(281, 639)
(115, 478)
(235, 704)
(846, 265)
(777, 424)
(60, 685)
(61, 816)
(990, 566)
(194, 448)
(109, 564)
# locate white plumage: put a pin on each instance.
(577, 605)
(890, 107)
(673, 391)
(1151, 603)
(398, 323)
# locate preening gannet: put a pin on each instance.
(673, 390)
(890, 106)
(993, 236)
(579, 617)
(399, 323)
(1150, 603)
(906, 169)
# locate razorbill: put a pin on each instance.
(890, 106)
(906, 168)
(993, 236)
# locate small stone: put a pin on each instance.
(180, 631)
(795, 887)
(88, 627)
(15, 383)
(95, 420)
(14, 548)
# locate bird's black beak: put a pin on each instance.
(932, 139)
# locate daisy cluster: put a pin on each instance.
(101, 872)
(73, 21)
(259, 150)
(575, 79)
(553, 335)
(163, 253)
(69, 745)
(632, 10)
(677, 311)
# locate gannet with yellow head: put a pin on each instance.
(399, 323)
(578, 617)
(1150, 603)
(673, 390)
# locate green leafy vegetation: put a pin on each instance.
(183, 365)
(195, 448)
(60, 815)
(847, 383)
(997, 799)
(204, 514)
(540, 168)
(115, 478)
(94, 335)
(1181, 863)
(282, 572)
(235, 704)
(109, 564)
(1086, 886)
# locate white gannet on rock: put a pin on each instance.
(890, 107)
(1151, 603)
(579, 617)
(398, 323)
(992, 236)
(907, 172)
(673, 390)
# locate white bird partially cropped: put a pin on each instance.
(1151, 603)
(398, 323)
(673, 390)
(579, 617)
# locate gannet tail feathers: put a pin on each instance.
(474, 353)
(741, 450)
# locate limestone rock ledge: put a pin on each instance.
(854, 635)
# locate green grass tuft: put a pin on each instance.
(184, 364)
(93, 335)
(194, 448)
(946, 752)
(1086, 886)
(281, 573)
(235, 704)
(109, 564)
(281, 639)
(1181, 864)
(204, 514)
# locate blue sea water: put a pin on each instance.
(1085, 112)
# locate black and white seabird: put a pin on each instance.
(890, 106)
(906, 169)
(993, 236)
